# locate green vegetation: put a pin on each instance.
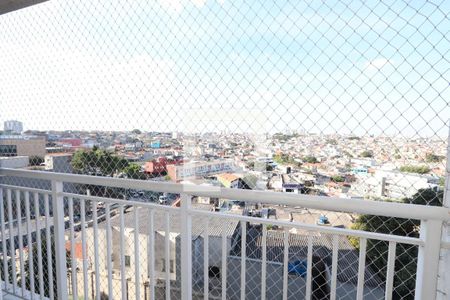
(406, 262)
(98, 162)
(310, 159)
(354, 138)
(433, 158)
(337, 178)
(366, 154)
(415, 169)
(133, 171)
(284, 159)
(284, 137)
(348, 154)
(332, 142)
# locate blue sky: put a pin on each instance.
(322, 66)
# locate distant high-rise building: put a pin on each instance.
(13, 126)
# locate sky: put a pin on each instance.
(255, 66)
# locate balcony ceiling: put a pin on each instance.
(7, 6)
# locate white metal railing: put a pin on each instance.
(137, 255)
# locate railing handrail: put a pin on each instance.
(379, 208)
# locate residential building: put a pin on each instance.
(199, 169)
(13, 127)
(59, 162)
(19, 145)
(347, 267)
(237, 181)
(163, 229)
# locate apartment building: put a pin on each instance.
(19, 145)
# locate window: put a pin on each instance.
(214, 272)
(127, 261)
(8, 150)
(172, 265)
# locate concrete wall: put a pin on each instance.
(14, 162)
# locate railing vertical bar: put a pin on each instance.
(186, 247)
(12, 246)
(309, 266)
(224, 264)
(264, 261)
(428, 258)
(206, 261)
(334, 266)
(3, 230)
(84, 248)
(390, 270)
(59, 227)
(109, 249)
(151, 254)
(167, 255)
(72, 250)
(37, 214)
(137, 271)
(29, 243)
(243, 257)
(20, 238)
(123, 279)
(361, 268)
(48, 246)
(285, 263)
(96, 254)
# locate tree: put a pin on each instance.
(354, 138)
(367, 154)
(406, 260)
(45, 271)
(332, 142)
(433, 158)
(415, 169)
(136, 131)
(283, 158)
(310, 159)
(337, 178)
(348, 154)
(133, 171)
(98, 162)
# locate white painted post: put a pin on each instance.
(428, 260)
(60, 248)
(186, 248)
(443, 288)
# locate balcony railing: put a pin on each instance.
(63, 243)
